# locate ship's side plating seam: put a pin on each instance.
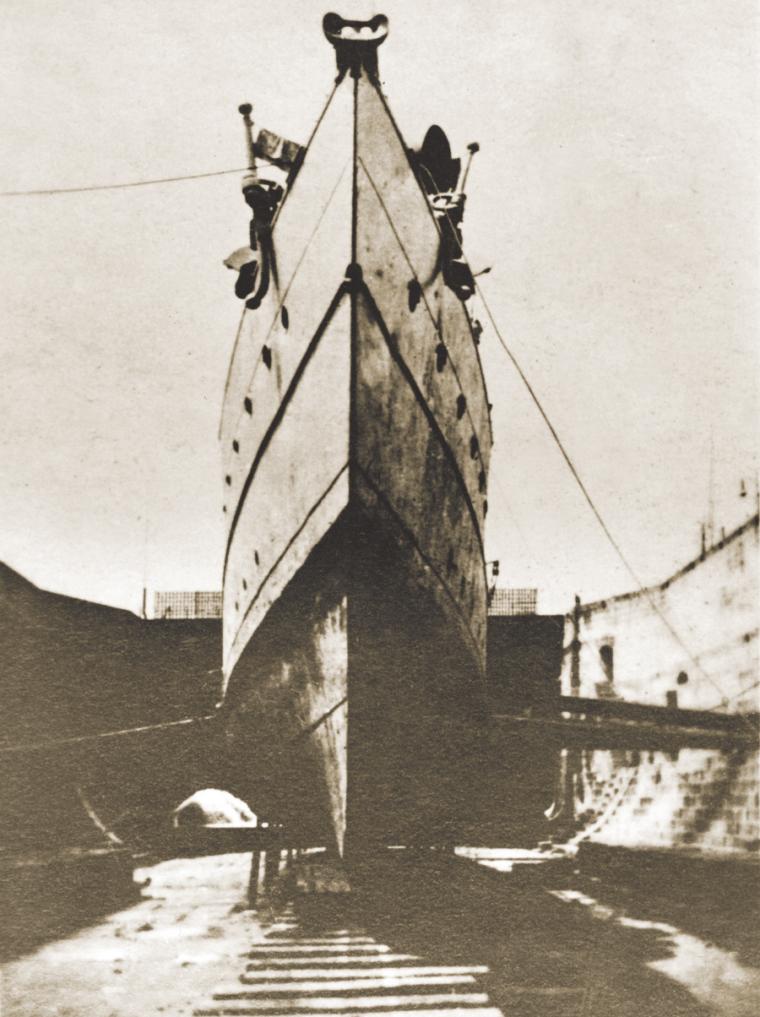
(393, 215)
(415, 339)
(360, 438)
(315, 214)
(311, 215)
(481, 383)
(457, 573)
(398, 242)
(298, 487)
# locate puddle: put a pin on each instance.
(713, 976)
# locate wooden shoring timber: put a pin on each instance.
(189, 842)
(650, 728)
(663, 715)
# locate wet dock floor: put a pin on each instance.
(428, 933)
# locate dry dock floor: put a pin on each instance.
(422, 934)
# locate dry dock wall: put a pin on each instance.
(74, 671)
(704, 800)
(71, 667)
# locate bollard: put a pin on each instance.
(253, 879)
(271, 866)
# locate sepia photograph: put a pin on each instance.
(380, 503)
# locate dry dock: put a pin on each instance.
(477, 933)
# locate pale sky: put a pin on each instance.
(615, 196)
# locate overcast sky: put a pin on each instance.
(615, 196)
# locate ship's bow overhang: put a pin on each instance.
(356, 434)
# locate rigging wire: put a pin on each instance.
(422, 284)
(731, 699)
(110, 836)
(122, 185)
(282, 296)
(99, 736)
(646, 591)
(159, 180)
(558, 440)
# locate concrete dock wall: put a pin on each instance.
(703, 800)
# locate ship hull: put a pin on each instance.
(353, 715)
(355, 595)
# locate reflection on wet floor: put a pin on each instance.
(343, 970)
(476, 933)
(488, 932)
(712, 975)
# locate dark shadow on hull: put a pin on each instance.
(415, 696)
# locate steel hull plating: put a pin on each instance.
(356, 435)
